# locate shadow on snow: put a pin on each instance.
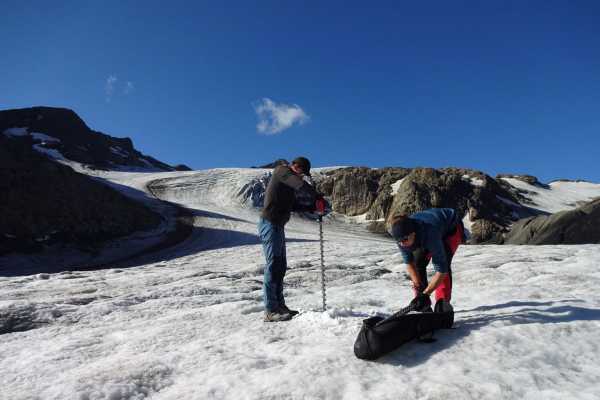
(529, 312)
(186, 239)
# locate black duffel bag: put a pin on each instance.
(379, 336)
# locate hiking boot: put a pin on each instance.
(277, 316)
(283, 308)
(444, 306)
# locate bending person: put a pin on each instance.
(430, 235)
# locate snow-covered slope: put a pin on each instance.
(189, 326)
(558, 195)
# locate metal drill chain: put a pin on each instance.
(323, 290)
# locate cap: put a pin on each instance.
(303, 163)
(401, 227)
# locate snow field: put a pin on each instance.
(190, 325)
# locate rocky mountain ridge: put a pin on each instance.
(62, 133)
(45, 203)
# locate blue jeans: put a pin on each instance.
(273, 242)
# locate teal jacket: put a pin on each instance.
(433, 226)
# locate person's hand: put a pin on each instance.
(420, 302)
(418, 287)
(320, 205)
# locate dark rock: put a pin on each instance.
(383, 202)
(182, 167)
(45, 203)
(77, 142)
(274, 164)
(571, 180)
(353, 190)
(579, 226)
(358, 190)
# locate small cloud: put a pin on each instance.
(128, 88)
(109, 87)
(274, 118)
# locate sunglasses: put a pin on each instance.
(404, 238)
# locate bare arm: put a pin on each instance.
(437, 279)
(414, 276)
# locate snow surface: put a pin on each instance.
(474, 181)
(52, 153)
(44, 138)
(396, 186)
(560, 195)
(16, 132)
(119, 151)
(190, 325)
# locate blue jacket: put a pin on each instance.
(433, 226)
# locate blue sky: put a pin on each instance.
(500, 86)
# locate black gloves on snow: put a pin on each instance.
(420, 302)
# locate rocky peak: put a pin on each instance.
(64, 132)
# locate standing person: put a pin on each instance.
(430, 235)
(280, 201)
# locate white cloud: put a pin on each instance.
(274, 118)
(128, 88)
(109, 87)
(113, 88)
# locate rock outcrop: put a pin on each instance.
(359, 190)
(181, 167)
(381, 193)
(579, 226)
(45, 203)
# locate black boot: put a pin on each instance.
(444, 306)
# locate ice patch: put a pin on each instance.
(16, 132)
(52, 153)
(146, 162)
(474, 181)
(119, 151)
(396, 186)
(44, 138)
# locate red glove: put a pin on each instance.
(320, 206)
